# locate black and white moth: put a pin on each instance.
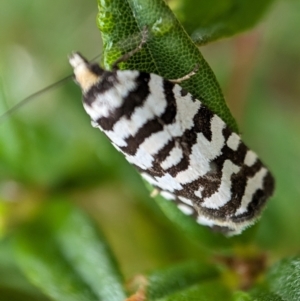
(177, 144)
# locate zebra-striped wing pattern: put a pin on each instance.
(177, 144)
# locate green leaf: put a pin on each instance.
(175, 278)
(207, 21)
(209, 290)
(168, 52)
(67, 258)
(13, 285)
(257, 294)
(241, 296)
(261, 294)
(284, 279)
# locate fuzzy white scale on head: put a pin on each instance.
(177, 144)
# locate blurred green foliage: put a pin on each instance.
(71, 260)
(211, 20)
(51, 158)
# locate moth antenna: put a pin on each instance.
(26, 100)
(100, 55)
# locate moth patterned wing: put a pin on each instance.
(179, 146)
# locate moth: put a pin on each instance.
(177, 144)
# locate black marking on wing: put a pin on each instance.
(183, 92)
(163, 153)
(202, 122)
(170, 111)
(238, 182)
(186, 142)
(258, 201)
(133, 142)
(108, 81)
(155, 125)
(135, 98)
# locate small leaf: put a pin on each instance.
(172, 279)
(261, 294)
(207, 21)
(67, 258)
(209, 290)
(168, 52)
(284, 279)
(241, 296)
(13, 285)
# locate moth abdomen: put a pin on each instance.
(179, 145)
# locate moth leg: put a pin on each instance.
(129, 54)
(186, 77)
(155, 192)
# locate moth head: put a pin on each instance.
(85, 73)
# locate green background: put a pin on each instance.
(49, 148)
